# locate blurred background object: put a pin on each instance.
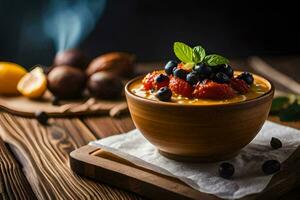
(34, 30)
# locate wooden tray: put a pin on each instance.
(95, 163)
(25, 107)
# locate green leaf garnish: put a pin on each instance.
(183, 52)
(278, 104)
(214, 60)
(291, 113)
(188, 66)
(198, 54)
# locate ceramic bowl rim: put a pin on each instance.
(162, 103)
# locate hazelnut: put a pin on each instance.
(71, 57)
(105, 85)
(66, 82)
(120, 64)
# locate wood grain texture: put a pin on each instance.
(13, 183)
(43, 153)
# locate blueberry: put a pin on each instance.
(192, 78)
(226, 69)
(170, 66)
(226, 170)
(275, 143)
(220, 77)
(247, 77)
(180, 73)
(42, 117)
(161, 78)
(203, 70)
(164, 94)
(271, 166)
(55, 101)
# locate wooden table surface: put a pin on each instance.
(34, 158)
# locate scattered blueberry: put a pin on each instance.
(203, 70)
(220, 77)
(180, 73)
(226, 170)
(55, 101)
(247, 77)
(226, 69)
(164, 94)
(170, 66)
(161, 78)
(42, 117)
(275, 143)
(192, 78)
(271, 166)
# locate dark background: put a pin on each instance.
(148, 28)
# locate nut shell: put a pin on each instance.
(118, 63)
(66, 82)
(105, 85)
(71, 57)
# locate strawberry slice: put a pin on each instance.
(213, 90)
(239, 85)
(180, 87)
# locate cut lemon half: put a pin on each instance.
(10, 75)
(33, 84)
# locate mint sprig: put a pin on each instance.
(192, 56)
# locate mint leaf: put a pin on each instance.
(198, 54)
(188, 66)
(214, 60)
(183, 52)
(291, 113)
(278, 104)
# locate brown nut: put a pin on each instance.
(105, 85)
(120, 64)
(66, 82)
(71, 57)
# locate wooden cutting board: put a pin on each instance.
(25, 107)
(95, 163)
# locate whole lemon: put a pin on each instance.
(10, 75)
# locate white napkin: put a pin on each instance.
(248, 178)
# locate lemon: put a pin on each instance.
(10, 74)
(33, 84)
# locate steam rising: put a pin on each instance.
(68, 22)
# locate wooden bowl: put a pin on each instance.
(199, 133)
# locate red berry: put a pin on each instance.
(239, 85)
(148, 80)
(213, 90)
(180, 87)
(160, 81)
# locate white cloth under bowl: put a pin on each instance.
(248, 178)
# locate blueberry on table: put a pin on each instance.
(192, 78)
(226, 170)
(226, 69)
(247, 77)
(180, 73)
(203, 70)
(169, 67)
(161, 78)
(271, 166)
(220, 77)
(275, 143)
(164, 94)
(42, 117)
(55, 101)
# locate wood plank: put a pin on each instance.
(106, 126)
(44, 155)
(91, 161)
(13, 183)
